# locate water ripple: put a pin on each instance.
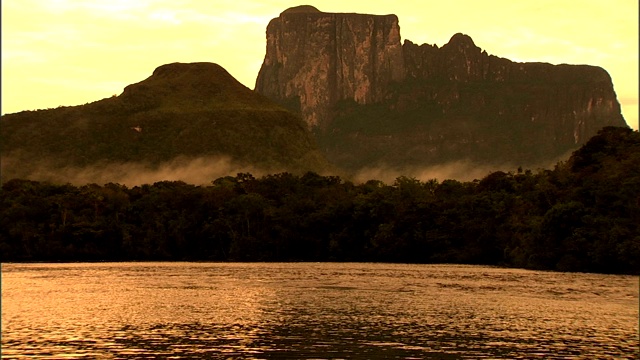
(314, 311)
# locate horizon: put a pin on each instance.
(64, 56)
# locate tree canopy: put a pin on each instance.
(582, 215)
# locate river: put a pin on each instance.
(313, 311)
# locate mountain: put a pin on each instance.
(180, 113)
(374, 102)
(316, 59)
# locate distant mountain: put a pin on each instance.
(372, 101)
(182, 111)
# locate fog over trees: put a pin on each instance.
(583, 215)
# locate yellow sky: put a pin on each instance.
(70, 52)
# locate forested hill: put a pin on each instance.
(584, 215)
(182, 116)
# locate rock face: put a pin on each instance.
(317, 59)
(372, 102)
(573, 101)
(182, 112)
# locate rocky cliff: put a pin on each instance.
(316, 59)
(572, 102)
(372, 102)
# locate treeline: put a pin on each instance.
(584, 215)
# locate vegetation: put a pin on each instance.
(182, 111)
(584, 215)
(423, 123)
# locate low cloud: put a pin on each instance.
(462, 170)
(198, 171)
(204, 170)
(458, 170)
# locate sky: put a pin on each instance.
(71, 52)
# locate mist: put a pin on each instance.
(204, 170)
(461, 170)
(197, 171)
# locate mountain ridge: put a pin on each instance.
(375, 102)
(354, 82)
(370, 101)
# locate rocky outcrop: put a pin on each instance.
(371, 101)
(572, 101)
(316, 59)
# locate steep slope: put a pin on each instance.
(374, 103)
(459, 104)
(183, 111)
(316, 59)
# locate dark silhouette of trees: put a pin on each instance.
(584, 215)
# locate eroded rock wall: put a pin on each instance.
(316, 59)
(370, 100)
(572, 102)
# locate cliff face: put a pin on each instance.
(371, 101)
(316, 59)
(572, 102)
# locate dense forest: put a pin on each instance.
(582, 215)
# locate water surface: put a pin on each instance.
(313, 311)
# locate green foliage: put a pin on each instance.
(183, 111)
(584, 215)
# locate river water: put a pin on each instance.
(313, 311)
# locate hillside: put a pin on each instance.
(182, 112)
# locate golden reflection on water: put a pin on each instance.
(311, 310)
